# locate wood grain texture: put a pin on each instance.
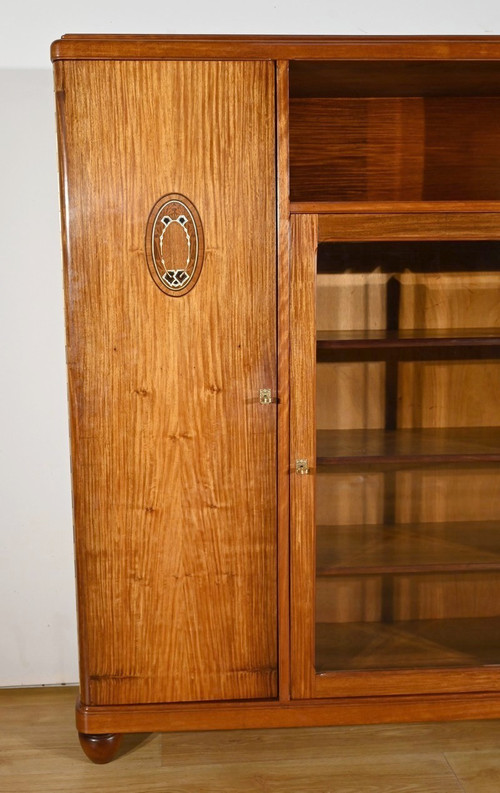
(443, 300)
(409, 226)
(303, 446)
(349, 497)
(354, 78)
(352, 149)
(428, 394)
(416, 445)
(462, 142)
(375, 742)
(406, 548)
(392, 207)
(478, 771)
(440, 338)
(327, 774)
(419, 643)
(469, 597)
(448, 493)
(446, 619)
(391, 598)
(98, 46)
(462, 300)
(350, 395)
(40, 754)
(448, 616)
(407, 148)
(183, 554)
(419, 684)
(282, 136)
(170, 445)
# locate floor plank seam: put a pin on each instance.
(459, 781)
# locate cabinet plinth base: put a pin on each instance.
(305, 713)
(100, 748)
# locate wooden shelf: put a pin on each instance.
(408, 548)
(370, 207)
(453, 444)
(397, 258)
(405, 225)
(416, 644)
(364, 339)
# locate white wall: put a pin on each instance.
(37, 620)
(37, 612)
(24, 42)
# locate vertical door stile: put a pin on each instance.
(304, 230)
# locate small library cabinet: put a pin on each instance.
(282, 279)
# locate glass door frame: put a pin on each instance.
(307, 230)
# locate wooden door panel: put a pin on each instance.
(174, 457)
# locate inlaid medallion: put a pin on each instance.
(174, 244)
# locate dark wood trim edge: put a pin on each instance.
(153, 47)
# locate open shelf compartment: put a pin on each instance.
(384, 131)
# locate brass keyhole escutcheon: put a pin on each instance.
(265, 396)
(302, 467)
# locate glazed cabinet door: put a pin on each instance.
(395, 371)
(168, 182)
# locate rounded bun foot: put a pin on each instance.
(100, 748)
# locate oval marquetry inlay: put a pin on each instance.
(174, 244)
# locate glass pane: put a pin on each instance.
(408, 453)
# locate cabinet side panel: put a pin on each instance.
(174, 456)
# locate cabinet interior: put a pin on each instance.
(394, 131)
(408, 441)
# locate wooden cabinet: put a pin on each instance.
(282, 269)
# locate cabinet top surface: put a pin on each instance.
(154, 47)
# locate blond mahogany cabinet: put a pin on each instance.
(282, 272)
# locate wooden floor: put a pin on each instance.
(39, 751)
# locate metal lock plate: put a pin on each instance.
(265, 396)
